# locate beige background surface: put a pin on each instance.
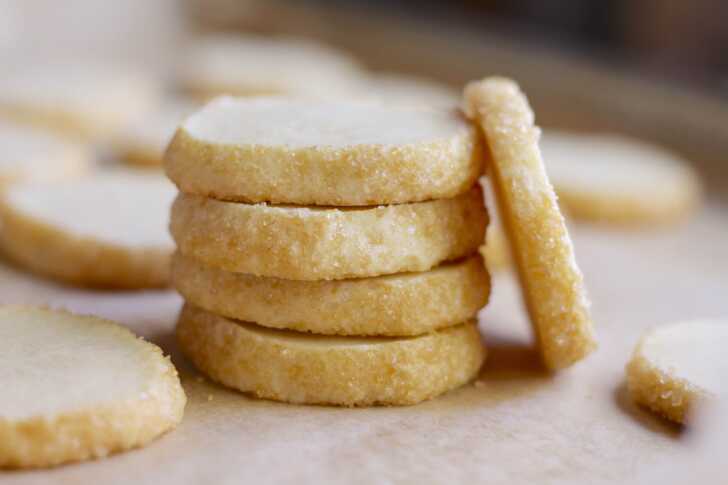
(514, 425)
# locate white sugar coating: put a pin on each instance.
(298, 123)
(613, 164)
(117, 208)
(26, 152)
(54, 362)
(411, 91)
(693, 351)
(283, 65)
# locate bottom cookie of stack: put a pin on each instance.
(314, 369)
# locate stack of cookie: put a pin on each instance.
(328, 251)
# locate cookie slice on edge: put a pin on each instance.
(675, 366)
(552, 284)
(79, 387)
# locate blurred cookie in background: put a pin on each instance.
(88, 101)
(615, 179)
(142, 143)
(31, 154)
(245, 65)
(410, 90)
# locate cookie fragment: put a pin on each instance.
(553, 287)
(676, 366)
(79, 387)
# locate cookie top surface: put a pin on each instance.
(116, 207)
(297, 123)
(691, 351)
(29, 153)
(54, 362)
(613, 164)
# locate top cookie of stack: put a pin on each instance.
(337, 218)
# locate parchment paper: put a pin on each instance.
(515, 425)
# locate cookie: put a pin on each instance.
(405, 90)
(315, 243)
(552, 284)
(30, 154)
(252, 66)
(675, 366)
(615, 179)
(107, 230)
(79, 387)
(313, 369)
(83, 100)
(394, 305)
(142, 143)
(338, 153)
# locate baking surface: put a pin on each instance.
(514, 425)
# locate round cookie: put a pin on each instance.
(313, 369)
(394, 305)
(86, 100)
(612, 178)
(106, 230)
(315, 243)
(143, 142)
(412, 91)
(79, 387)
(552, 283)
(675, 366)
(29, 154)
(338, 153)
(253, 66)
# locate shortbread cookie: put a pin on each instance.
(87, 100)
(411, 91)
(313, 369)
(495, 251)
(400, 304)
(552, 283)
(143, 142)
(30, 154)
(617, 179)
(79, 387)
(675, 366)
(253, 66)
(340, 153)
(316, 243)
(106, 230)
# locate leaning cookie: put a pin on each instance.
(552, 283)
(619, 180)
(676, 366)
(334, 153)
(313, 369)
(316, 243)
(106, 230)
(79, 387)
(394, 305)
(31, 154)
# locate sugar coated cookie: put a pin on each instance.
(339, 153)
(675, 366)
(553, 287)
(313, 369)
(315, 243)
(616, 179)
(106, 230)
(78, 387)
(86, 100)
(143, 142)
(30, 154)
(253, 66)
(399, 304)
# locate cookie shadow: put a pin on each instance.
(643, 416)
